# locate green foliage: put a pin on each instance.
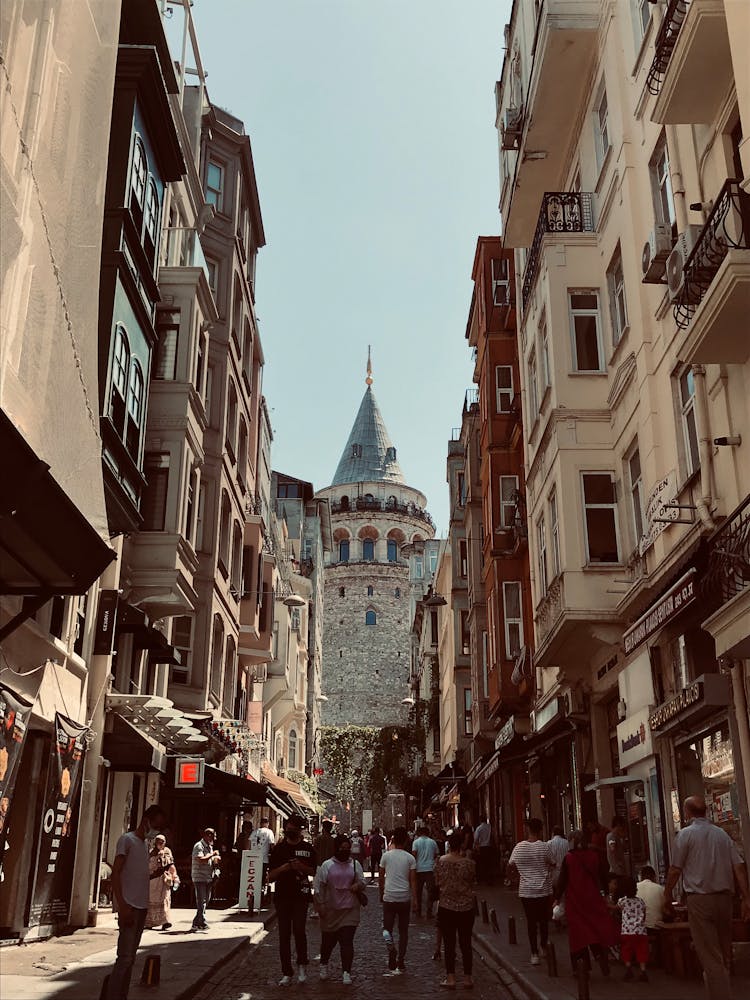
(309, 785)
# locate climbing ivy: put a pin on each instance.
(309, 785)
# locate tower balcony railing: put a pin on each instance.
(365, 504)
(561, 212)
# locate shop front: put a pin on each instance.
(554, 793)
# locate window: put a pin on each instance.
(152, 220)
(216, 656)
(288, 491)
(370, 617)
(168, 331)
(465, 634)
(213, 271)
(344, 551)
(433, 627)
(230, 670)
(689, 426)
(236, 561)
(369, 591)
(600, 512)
(231, 432)
(135, 411)
(463, 558)
(79, 623)
(368, 550)
(200, 519)
(432, 557)
(500, 281)
(554, 528)
(249, 562)
(508, 500)
(397, 592)
(635, 486)
(533, 389)
(215, 185)
(541, 535)
(242, 453)
(190, 497)
(418, 568)
(247, 357)
(544, 356)
(661, 183)
(392, 550)
(460, 489)
(138, 175)
(585, 329)
(182, 640)
(503, 388)
(468, 729)
(601, 128)
(342, 591)
(120, 370)
(617, 305)
(642, 17)
(485, 666)
(224, 529)
(293, 749)
(345, 503)
(513, 619)
(154, 504)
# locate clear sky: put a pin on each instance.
(372, 127)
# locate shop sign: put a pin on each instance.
(669, 606)
(634, 738)
(676, 706)
(542, 717)
(664, 492)
(492, 767)
(475, 769)
(506, 734)
(189, 772)
(106, 620)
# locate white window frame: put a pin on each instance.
(544, 355)
(618, 302)
(186, 651)
(688, 414)
(636, 493)
(510, 653)
(504, 393)
(612, 505)
(533, 388)
(601, 126)
(641, 18)
(573, 312)
(218, 192)
(468, 720)
(500, 280)
(508, 505)
(541, 539)
(661, 184)
(554, 527)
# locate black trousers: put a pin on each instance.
(392, 912)
(425, 880)
(344, 937)
(538, 910)
(292, 914)
(375, 864)
(454, 923)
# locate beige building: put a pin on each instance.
(624, 157)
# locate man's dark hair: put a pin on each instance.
(628, 886)
(648, 872)
(153, 811)
(400, 836)
(455, 841)
(340, 839)
(557, 831)
(293, 821)
(535, 826)
(327, 825)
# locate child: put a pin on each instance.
(634, 937)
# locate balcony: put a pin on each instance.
(562, 212)
(565, 48)
(692, 69)
(728, 575)
(575, 620)
(181, 247)
(713, 304)
(163, 567)
(361, 504)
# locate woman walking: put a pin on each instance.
(455, 877)
(534, 862)
(589, 922)
(339, 885)
(163, 877)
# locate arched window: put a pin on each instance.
(151, 221)
(217, 653)
(293, 749)
(345, 502)
(369, 497)
(135, 410)
(370, 617)
(247, 356)
(368, 550)
(237, 559)
(391, 502)
(139, 171)
(224, 527)
(230, 661)
(344, 551)
(392, 550)
(242, 452)
(120, 372)
(231, 433)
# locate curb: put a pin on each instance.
(514, 981)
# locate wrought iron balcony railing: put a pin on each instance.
(665, 43)
(727, 228)
(389, 506)
(561, 212)
(728, 571)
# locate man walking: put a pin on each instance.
(425, 852)
(398, 888)
(292, 865)
(533, 861)
(130, 885)
(323, 844)
(376, 846)
(204, 865)
(483, 850)
(263, 840)
(559, 847)
(706, 858)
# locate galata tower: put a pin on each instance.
(367, 603)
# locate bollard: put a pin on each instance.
(485, 913)
(512, 939)
(493, 922)
(551, 959)
(583, 980)
(151, 971)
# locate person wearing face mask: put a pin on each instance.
(204, 864)
(130, 885)
(291, 865)
(338, 885)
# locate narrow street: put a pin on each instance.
(255, 976)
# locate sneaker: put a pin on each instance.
(285, 981)
(628, 974)
(643, 978)
(302, 975)
(323, 971)
(165, 927)
(397, 972)
(401, 967)
(535, 960)
(388, 938)
(346, 979)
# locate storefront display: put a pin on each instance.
(706, 767)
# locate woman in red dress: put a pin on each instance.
(589, 922)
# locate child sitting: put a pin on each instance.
(633, 937)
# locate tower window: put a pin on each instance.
(397, 592)
(371, 618)
(368, 550)
(342, 591)
(369, 591)
(344, 551)
(392, 550)
(356, 451)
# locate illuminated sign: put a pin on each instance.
(188, 772)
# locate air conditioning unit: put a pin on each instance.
(512, 127)
(675, 266)
(655, 252)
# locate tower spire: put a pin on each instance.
(368, 380)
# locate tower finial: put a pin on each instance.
(368, 380)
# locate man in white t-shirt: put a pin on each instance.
(534, 862)
(263, 840)
(398, 893)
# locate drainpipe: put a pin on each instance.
(678, 185)
(705, 444)
(739, 730)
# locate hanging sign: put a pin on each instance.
(54, 873)
(657, 513)
(106, 620)
(14, 713)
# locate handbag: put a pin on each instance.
(360, 893)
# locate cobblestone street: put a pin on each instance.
(256, 974)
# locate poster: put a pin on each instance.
(251, 881)
(54, 871)
(14, 713)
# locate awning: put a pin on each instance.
(157, 719)
(618, 781)
(249, 792)
(298, 796)
(280, 802)
(128, 749)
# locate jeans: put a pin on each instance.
(425, 880)
(391, 911)
(710, 919)
(128, 940)
(202, 899)
(344, 936)
(537, 910)
(451, 923)
(292, 914)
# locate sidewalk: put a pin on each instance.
(534, 982)
(74, 967)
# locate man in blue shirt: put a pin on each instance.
(425, 851)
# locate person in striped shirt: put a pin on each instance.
(534, 861)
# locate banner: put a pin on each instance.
(14, 713)
(54, 871)
(251, 881)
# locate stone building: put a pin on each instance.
(366, 637)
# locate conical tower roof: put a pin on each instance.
(369, 455)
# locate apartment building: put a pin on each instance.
(624, 159)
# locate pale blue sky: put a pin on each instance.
(372, 127)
